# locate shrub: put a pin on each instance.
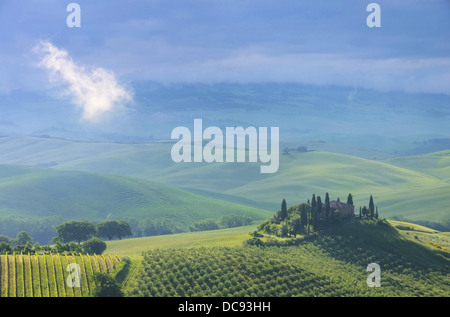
(106, 286)
(94, 245)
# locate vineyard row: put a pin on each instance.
(51, 275)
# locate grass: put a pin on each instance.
(401, 225)
(223, 237)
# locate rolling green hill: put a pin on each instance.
(32, 192)
(412, 192)
(436, 164)
(414, 187)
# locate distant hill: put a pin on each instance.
(414, 187)
(41, 192)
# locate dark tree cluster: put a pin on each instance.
(369, 213)
(84, 230)
(316, 214)
(70, 236)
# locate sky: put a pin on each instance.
(208, 41)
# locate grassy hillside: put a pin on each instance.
(32, 191)
(134, 247)
(436, 164)
(414, 187)
(413, 193)
(331, 264)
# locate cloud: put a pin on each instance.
(96, 91)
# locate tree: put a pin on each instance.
(371, 207)
(313, 203)
(5, 247)
(365, 211)
(94, 245)
(28, 248)
(113, 228)
(284, 229)
(296, 226)
(327, 209)
(350, 199)
(5, 239)
(204, 225)
(75, 231)
(106, 286)
(283, 211)
(319, 206)
(231, 221)
(22, 238)
(314, 212)
(304, 216)
(37, 247)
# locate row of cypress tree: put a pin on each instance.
(311, 217)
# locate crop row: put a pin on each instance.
(51, 275)
(306, 270)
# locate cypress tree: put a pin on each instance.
(319, 209)
(350, 199)
(327, 209)
(283, 212)
(319, 205)
(371, 207)
(364, 211)
(313, 217)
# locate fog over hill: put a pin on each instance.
(394, 122)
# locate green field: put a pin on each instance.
(331, 264)
(223, 237)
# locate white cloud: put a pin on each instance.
(96, 91)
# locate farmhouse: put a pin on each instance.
(345, 210)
